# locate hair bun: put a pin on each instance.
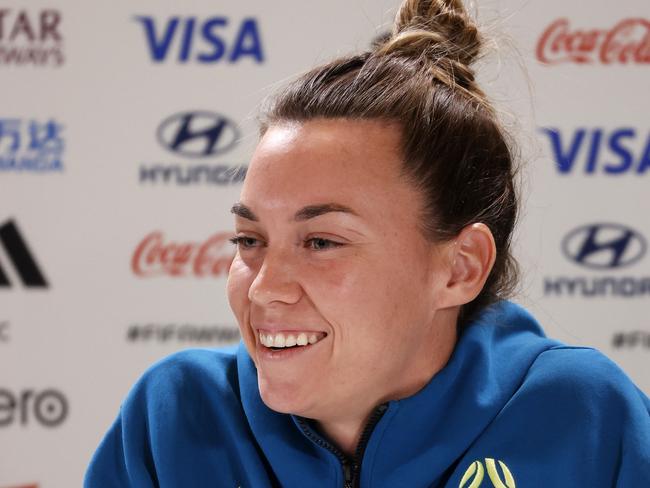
(437, 29)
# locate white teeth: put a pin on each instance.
(278, 340)
(289, 340)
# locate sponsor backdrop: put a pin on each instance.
(125, 131)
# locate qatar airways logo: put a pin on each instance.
(627, 42)
(157, 256)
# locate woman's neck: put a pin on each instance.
(345, 434)
(346, 431)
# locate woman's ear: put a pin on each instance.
(471, 258)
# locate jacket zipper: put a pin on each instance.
(351, 466)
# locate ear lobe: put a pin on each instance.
(473, 256)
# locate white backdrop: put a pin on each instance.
(111, 238)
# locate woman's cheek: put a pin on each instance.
(336, 288)
(240, 278)
(338, 271)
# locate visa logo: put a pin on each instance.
(599, 151)
(203, 40)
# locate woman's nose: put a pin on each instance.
(275, 281)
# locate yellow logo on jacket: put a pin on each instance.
(473, 477)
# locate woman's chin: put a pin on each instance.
(284, 397)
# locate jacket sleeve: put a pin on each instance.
(121, 460)
(634, 458)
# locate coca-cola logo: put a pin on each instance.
(155, 256)
(627, 42)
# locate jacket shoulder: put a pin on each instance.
(583, 397)
(182, 404)
(575, 420)
(187, 374)
(581, 374)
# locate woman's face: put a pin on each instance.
(329, 250)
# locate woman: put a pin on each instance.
(372, 238)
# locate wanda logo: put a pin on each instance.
(628, 42)
(155, 256)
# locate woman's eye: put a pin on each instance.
(244, 242)
(321, 244)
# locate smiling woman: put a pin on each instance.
(330, 245)
(372, 266)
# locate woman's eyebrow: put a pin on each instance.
(311, 211)
(243, 211)
(305, 213)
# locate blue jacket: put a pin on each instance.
(511, 408)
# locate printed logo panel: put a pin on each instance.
(181, 333)
(627, 42)
(155, 256)
(602, 247)
(45, 408)
(30, 145)
(202, 40)
(21, 258)
(31, 38)
(199, 134)
(631, 339)
(598, 151)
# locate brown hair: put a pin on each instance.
(455, 150)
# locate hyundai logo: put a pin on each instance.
(604, 246)
(198, 134)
